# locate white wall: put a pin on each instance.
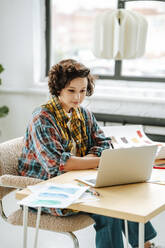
(16, 56)
(21, 107)
(16, 42)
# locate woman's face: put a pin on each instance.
(73, 94)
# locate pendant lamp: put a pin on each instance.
(119, 34)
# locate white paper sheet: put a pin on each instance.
(132, 136)
(53, 195)
(157, 176)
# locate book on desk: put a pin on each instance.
(133, 136)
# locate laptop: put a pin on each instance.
(123, 166)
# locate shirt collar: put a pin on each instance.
(62, 116)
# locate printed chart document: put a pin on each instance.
(53, 195)
(130, 136)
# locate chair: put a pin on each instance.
(10, 180)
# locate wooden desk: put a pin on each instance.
(135, 202)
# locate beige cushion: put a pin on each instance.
(4, 191)
(9, 153)
(53, 223)
(18, 181)
(15, 182)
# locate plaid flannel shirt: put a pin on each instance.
(45, 152)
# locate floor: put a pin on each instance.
(11, 236)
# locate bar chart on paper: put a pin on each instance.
(132, 136)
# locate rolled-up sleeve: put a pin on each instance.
(99, 141)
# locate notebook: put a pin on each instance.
(123, 166)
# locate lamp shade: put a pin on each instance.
(119, 34)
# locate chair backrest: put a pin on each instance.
(9, 153)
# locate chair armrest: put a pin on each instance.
(18, 181)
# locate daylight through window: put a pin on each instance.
(71, 27)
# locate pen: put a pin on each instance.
(112, 146)
(91, 190)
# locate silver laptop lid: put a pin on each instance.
(125, 165)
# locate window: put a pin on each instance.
(152, 63)
(70, 25)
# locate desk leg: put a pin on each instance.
(25, 219)
(126, 232)
(37, 226)
(141, 235)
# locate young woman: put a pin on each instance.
(63, 136)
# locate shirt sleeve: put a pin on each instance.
(48, 145)
(99, 141)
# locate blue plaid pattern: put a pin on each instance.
(45, 152)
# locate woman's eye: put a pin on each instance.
(83, 91)
(73, 91)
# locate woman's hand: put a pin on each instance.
(91, 155)
(89, 161)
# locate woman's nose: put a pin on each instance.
(77, 96)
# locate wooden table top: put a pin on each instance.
(136, 202)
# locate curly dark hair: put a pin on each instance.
(65, 71)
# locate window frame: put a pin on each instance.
(118, 63)
(47, 34)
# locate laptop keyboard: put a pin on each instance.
(93, 181)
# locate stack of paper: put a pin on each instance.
(132, 136)
(53, 195)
